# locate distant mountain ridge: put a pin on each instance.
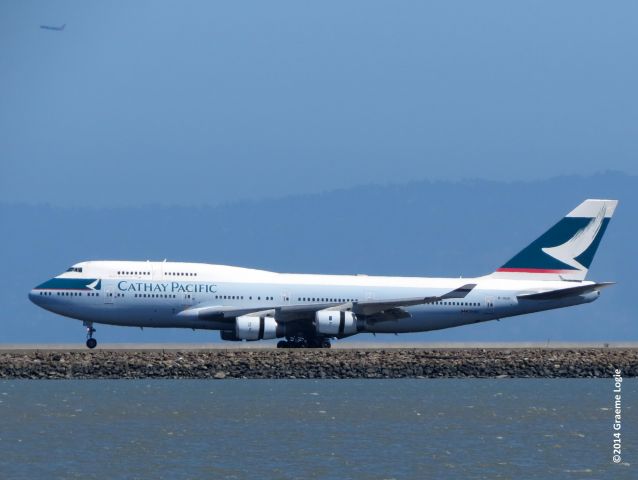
(421, 228)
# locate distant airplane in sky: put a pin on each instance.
(49, 27)
(310, 310)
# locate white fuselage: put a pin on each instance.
(164, 294)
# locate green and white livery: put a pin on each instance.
(309, 310)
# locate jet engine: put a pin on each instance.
(249, 327)
(335, 323)
(229, 336)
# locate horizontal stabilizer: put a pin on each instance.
(564, 292)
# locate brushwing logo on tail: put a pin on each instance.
(579, 243)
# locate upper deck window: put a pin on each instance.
(75, 269)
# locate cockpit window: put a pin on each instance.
(75, 269)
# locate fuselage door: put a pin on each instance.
(109, 296)
(489, 304)
(187, 299)
(158, 271)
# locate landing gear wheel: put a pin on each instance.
(90, 341)
(303, 342)
(293, 342)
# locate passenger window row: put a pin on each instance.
(460, 304)
(154, 295)
(239, 297)
(170, 274)
(328, 300)
(300, 299)
(231, 297)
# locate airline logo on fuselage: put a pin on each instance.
(172, 287)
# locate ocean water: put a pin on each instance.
(300, 429)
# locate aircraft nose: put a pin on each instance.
(35, 296)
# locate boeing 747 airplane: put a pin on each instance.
(310, 310)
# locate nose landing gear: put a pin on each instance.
(90, 341)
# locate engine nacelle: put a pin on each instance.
(335, 323)
(229, 336)
(249, 327)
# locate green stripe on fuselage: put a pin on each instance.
(68, 284)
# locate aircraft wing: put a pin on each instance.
(290, 313)
(371, 307)
(220, 312)
(564, 292)
(283, 314)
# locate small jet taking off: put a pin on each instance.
(310, 310)
(49, 27)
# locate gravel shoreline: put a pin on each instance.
(364, 363)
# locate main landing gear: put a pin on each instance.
(304, 342)
(90, 341)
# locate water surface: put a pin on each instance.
(378, 429)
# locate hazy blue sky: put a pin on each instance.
(206, 102)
